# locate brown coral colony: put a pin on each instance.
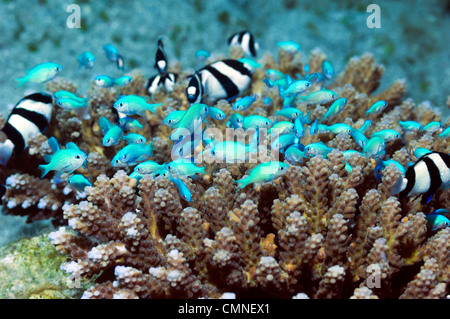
(321, 230)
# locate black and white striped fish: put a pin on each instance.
(424, 177)
(166, 81)
(224, 79)
(160, 58)
(246, 41)
(29, 116)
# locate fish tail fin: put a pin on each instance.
(44, 169)
(399, 185)
(241, 183)
(149, 149)
(22, 81)
(6, 149)
(152, 107)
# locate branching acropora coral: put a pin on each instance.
(320, 231)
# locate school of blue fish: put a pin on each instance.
(227, 79)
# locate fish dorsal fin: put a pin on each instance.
(72, 146)
(54, 145)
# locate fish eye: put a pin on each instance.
(213, 153)
(117, 161)
(169, 121)
(169, 167)
(238, 120)
(121, 104)
(77, 156)
(308, 84)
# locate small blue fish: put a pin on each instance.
(289, 46)
(360, 139)
(420, 151)
(432, 127)
(122, 80)
(268, 82)
(251, 63)
(216, 113)
(306, 119)
(318, 148)
(410, 125)
(236, 121)
(335, 108)
(62, 94)
(283, 141)
(86, 59)
(320, 97)
(202, 55)
(230, 151)
(296, 87)
(132, 154)
(314, 127)
(268, 101)
(375, 147)
(137, 176)
(327, 69)
(111, 52)
(134, 104)
(104, 81)
(63, 160)
(339, 128)
(365, 127)
(348, 168)
(383, 164)
(244, 103)
(388, 135)
(294, 155)
(445, 133)
(282, 127)
(184, 168)
(41, 73)
(183, 190)
(437, 221)
(190, 122)
(148, 167)
(315, 77)
(128, 123)
(256, 122)
(78, 182)
(289, 112)
(298, 127)
(377, 107)
(274, 74)
(113, 133)
(70, 104)
(135, 138)
(264, 173)
(173, 117)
